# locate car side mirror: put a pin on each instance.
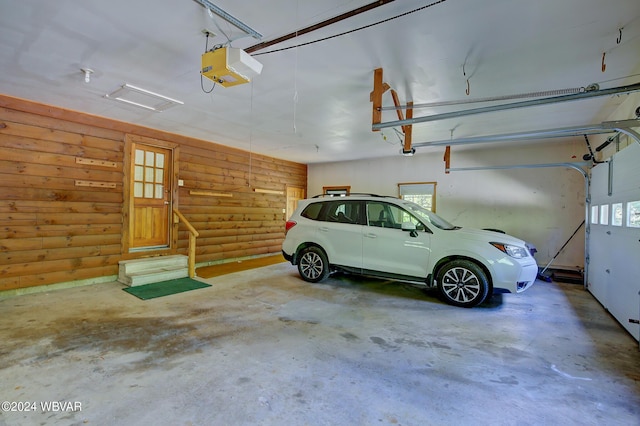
(410, 227)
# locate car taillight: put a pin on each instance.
(290, 224)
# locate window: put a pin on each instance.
(148, 176)
(604, 214)
(594, 214)
(421, 193)
(336, 191)
(385, 215)
(633, 214)
(616, 214)
(312, 211)
(344, 211)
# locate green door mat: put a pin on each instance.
(165, 288)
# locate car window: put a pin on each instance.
(428, 217)
(343, 211)
(312, 211)
(387, 215)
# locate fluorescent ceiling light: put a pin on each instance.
(231, 19)
(142, 98)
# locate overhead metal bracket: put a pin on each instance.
(229, 18)
(621, 126)
(535, 102)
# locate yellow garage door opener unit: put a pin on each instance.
(229, 66)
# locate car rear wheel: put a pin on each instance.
(463, 283)
(313, 265)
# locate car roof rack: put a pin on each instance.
(354, 194)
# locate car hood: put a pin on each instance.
(488, 236)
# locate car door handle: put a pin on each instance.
(370, 235)
(324, 229)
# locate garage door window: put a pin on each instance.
(594, 214)
(604, 214)
(633, 214)
(616, 214)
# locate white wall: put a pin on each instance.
(541, 206)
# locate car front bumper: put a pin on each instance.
(527, 277)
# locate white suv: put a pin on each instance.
(392, 238)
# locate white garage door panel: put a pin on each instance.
(599, 255)
(624, 302)
(614, 251)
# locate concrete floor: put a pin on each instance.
(262, 347)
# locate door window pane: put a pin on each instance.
(633, 214)
(138, 189)
(594, 214)
(148, 190)
(139, 156)
(616, 214)
(604, 214)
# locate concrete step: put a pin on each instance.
(153, 269)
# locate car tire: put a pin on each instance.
(463, 283)
(313, 265)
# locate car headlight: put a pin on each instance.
(516, 252)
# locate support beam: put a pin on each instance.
(379, 87)
(447, 159)
(408, 132)
(396, 102)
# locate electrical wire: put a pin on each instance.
(206, 49)
(354, 30)
(202, 85)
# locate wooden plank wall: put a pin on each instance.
(54, 231)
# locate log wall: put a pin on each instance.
(53, 231)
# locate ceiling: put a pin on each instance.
(311, 103)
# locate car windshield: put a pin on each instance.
(428, 217)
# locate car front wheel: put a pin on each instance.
(313, 265)
(463, 283)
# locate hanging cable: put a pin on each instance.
(206, 49)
